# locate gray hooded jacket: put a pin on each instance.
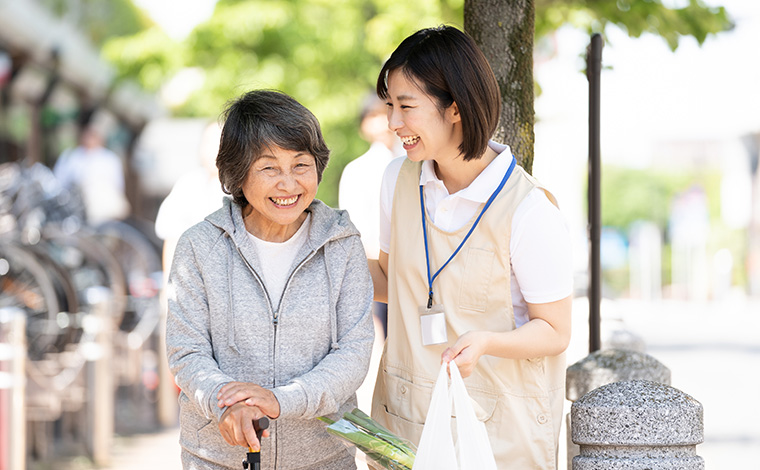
(313, 352)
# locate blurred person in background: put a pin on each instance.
(270, 301)
(359, 189)
(96, 174)
(195, 195)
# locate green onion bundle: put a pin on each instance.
(379, 444)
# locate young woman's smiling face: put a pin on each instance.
(426, 131)
(279, 187)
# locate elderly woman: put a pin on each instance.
(270, 300)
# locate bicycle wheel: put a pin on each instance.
(142, 267)
(27, 285)
(89, 263)
(68, 317)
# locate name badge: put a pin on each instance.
(433, 325)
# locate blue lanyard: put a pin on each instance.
(424, 231)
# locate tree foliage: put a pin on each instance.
(148, 57)
(636, 17)
(326, 53)
(647, 194)
(100, 19)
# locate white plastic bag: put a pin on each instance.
(436, 450)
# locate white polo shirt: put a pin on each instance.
(540, 247)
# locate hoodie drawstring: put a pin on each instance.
(334, 346)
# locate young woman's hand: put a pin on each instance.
(236, 426)
(547, 333)
(466, 351)
(251, 395)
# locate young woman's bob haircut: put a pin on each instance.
(448, 66)
(258, 120)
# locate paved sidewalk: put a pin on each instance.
(158, 450)
(712, 350)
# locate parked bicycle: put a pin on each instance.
(55, 268)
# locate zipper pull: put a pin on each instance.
(276, 318)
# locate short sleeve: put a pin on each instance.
(540, 249)
(387, 189)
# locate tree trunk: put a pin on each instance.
(504, 30)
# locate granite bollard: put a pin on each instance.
(606, 366)
(612, 365)
(637, 425)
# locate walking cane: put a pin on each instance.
(253, 458)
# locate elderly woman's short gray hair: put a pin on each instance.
(257, 120)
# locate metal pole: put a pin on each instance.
(593, 71)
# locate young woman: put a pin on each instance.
(474, 257)
(270, 301)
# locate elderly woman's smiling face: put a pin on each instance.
(279, 187)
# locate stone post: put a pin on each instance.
(603, 367)
(12, 388)
(637, 425)
(168, 407)
(100, 378)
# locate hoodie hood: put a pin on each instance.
(327, 224)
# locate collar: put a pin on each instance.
(484, 184)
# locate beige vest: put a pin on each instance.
(520, 401)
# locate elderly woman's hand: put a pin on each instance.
(236, 426)
(252, 395)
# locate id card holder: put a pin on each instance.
(433, 325)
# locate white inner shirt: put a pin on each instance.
(277, 260)
(539, 239)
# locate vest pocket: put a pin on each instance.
(402, 427)
(483, 403)
(406, 399)
(476, 278)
